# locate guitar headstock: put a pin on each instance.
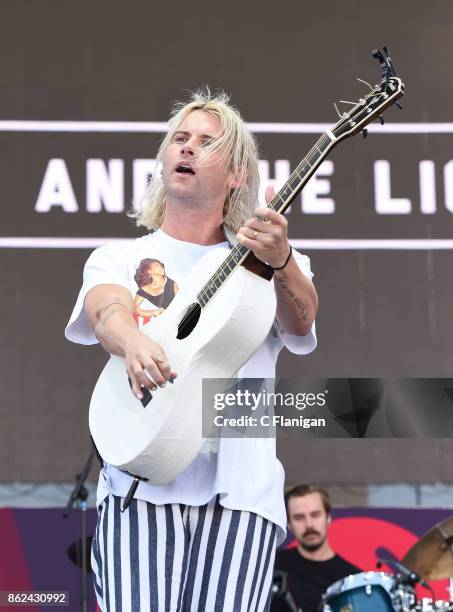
(374, 103)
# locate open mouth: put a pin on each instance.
(183, 169)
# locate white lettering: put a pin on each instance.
(385, 204)
(427, 176)
(312, 204)
(56, 189)
(448, 180)
(105, 186)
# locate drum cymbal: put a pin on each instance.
(432, 556)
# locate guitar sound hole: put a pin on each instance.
(189, 321)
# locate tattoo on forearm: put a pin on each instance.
(108, 316)
(297, 301)
(101, 311)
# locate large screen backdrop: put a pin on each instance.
(85, 92)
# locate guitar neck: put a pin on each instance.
(280, 203)
(307, 167)
(390, 89)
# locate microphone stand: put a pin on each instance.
(281, 592)
(80, 494)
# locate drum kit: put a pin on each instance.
(431, 558)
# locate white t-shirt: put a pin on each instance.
(244, 471)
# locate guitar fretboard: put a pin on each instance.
(281, 201)
(302, 173)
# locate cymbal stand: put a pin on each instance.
(448, 543)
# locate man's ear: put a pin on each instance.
(238, 178)
(329, 519)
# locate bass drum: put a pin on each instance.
(368, 592)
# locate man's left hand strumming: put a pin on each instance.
(267, 236)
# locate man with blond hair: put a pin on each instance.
(205, 541)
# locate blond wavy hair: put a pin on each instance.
(237, 147)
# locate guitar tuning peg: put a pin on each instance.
(338, 112)
(365, 83)
(399, 105)
(364, 132)
(381, 119)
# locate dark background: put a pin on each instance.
(382, 313)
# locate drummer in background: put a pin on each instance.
(313, 565)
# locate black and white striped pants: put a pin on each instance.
(178, 558)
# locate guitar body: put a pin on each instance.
(160, 440)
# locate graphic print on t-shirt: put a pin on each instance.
(155, 290)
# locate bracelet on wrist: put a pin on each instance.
(286, 262)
